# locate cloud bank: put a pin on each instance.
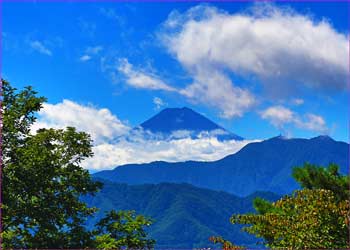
(141, 150)
(116, 144)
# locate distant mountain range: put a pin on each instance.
(191, 201)
(182, 122)
(184, 216)
(264, 166)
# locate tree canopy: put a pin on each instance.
(43, 182)
(314, 217)
(123, 228)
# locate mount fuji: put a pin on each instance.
(184, 122)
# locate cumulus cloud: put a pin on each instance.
(140, 78)
(215, 89)
(314, 123)
(288, 53)
(116, 144)
(101, 124)
(40, 47)
(280, 116)
(111, 155)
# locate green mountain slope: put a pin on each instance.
(185, 216)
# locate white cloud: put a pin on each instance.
(314, 123)
(115, 144)
(231, 100)
(90, 52)
(101, 124)
(288, 52)
(85, 58)
(108, 156)
(211, 87)
(158, 102)
(279, 116)
(40, 47)
(141, 79)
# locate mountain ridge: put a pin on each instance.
(265, 166)
(183, 214)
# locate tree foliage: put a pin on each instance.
(43, 181)
(225, 244)
(123, 228)
(314, 177)
(315, 217)
(307, 219)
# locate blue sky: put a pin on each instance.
(130, 58)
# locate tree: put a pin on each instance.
(313, 177)
(315, 217)
(307, 219)
(42, 178)
(43, 181)
(123, 228)
(225, 244)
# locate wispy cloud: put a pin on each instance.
(139, 78)
(93, 50)
(87, 28)
(298, 101)
(158, 102)
(40, 47)
(111, 14)
(90, 52)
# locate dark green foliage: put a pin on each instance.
(42, 181)
(263, 206)
(18, 109)
(314, 177)
(123, 228)
(42, 190)
(184, 216)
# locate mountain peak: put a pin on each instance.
(186, 108)
(323, 138)
(183, 109)
(279, 137)
(174, 119)
(171, 119)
